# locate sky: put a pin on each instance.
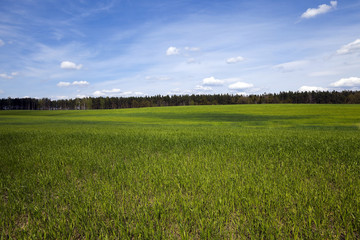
(77, 48)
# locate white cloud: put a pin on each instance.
(14, 73)
(63, 84)
(61, 97)
(81, 96)
(347, 82)
(192, 49)
(291, 66)
(214, 37)
(1, 43)
(6, 76)
(242, 93)
(80, 83)
(1, 91)
(175, 91)
(172, 51)
(235, 60)
(321, 9)
(350, 48)
(240, 85)
(75, 83)
(70, 65)
(202, 88)
(178, 91)
(104, 92)
(114, 90)
(129, 93)
(211, 81)
(311, 88)
(98, 93)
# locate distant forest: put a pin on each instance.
(325, 97)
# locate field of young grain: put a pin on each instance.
(199, 172)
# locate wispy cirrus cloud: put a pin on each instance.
(192, 49)
(191, 61)
(291, 66)
(158, 78)
(322, 74)
(350, 48)
(321, 9)
(235, 60)
(8, 76)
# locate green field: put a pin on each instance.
(196, 172)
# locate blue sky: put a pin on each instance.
(78, 48)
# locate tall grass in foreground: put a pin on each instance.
(211, 172)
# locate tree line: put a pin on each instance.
(314, 97)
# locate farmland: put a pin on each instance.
(195, 172)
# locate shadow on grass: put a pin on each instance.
(218, 117)
(144, 118)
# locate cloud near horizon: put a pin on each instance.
(116, 92)
(311, 88)
(240, 86)
(203, 88)
(347, 82)
(106, 92)
(321, 9)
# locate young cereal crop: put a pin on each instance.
(196, 172)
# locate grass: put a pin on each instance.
(201, 172)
